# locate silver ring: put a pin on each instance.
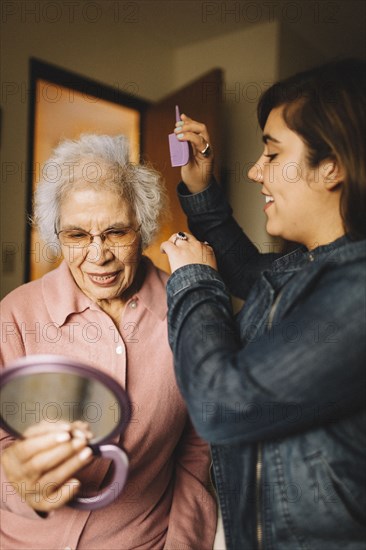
(181, 236)
(207, 150)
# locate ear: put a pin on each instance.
(332, 173)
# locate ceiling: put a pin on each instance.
(180, 22)
(176, 23)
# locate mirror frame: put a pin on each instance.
(38, 364)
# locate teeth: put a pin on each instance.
(269, 199)
(102, 278)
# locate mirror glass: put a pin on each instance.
(62, 391)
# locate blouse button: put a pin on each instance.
(119, 350)
(133, 304)
(311, 257)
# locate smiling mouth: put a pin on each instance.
(105, 279)
(269, 200)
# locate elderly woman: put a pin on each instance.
(106, 302)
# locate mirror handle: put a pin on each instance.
(110, 493)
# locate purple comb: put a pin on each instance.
(179, 150)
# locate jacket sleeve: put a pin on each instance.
(193, 516)
(307, 370)
(210, 219)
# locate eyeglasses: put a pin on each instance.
(112, 237)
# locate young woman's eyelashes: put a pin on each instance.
(271, 157)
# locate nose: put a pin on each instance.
(255, 173)
(98, 252)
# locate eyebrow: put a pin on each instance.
(116, 225)
(267, 137)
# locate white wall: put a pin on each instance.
(249, 59)
(321, 30)
(303, 35)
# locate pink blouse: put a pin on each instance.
(166, 502)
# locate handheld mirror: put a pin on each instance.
(53, 388)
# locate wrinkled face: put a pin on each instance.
(100, 271)
(296, 199)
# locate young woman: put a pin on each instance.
(279, 391)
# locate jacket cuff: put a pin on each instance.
(188, 275)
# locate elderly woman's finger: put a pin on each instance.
(47, 471)
(52, 458)
(58, 445)
(52, 497)
(61, 471)
(57, 478)
(26, 449)
(45, 427)
(74, 428)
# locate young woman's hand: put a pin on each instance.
(187, 251)
(41, 466)
(197, 173)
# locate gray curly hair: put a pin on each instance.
(98, 160)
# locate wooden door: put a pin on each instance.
(201, 100)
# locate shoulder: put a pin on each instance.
(21, 308)
(348, 264)
(29, 298)
(338, 292)
(347, 279)
(22, 296)
(153, 290)
(154, 273)
(161, 275)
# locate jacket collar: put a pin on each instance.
(63, 297)
(339, 251)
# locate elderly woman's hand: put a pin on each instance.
(184, 249)
(42, 465)
(197, 173)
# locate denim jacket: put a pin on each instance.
(278, 391)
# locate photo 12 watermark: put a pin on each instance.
(70, 11)
(51, 93)
(268, 11)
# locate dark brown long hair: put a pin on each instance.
(326, 107)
